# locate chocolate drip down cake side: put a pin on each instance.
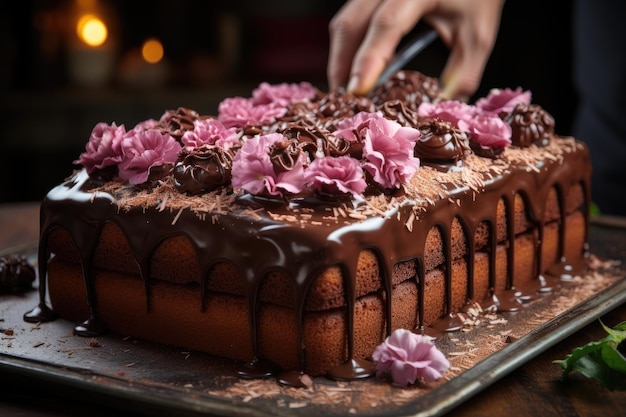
(298, 228)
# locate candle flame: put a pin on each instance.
(91, 30)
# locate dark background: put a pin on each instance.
(213, 49)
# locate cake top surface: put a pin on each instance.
(290, 145)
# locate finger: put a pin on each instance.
(347, 30)
(470, 51)
(462, 74)
(390, 22)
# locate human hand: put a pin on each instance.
(365, 33)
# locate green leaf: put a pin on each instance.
(618, 333)
(590, 366)
(614, 359)
(620, 327)
(600, 360)
(570, 361)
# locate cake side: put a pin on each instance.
(440, 287)
(222, 328)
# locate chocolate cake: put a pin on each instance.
(295, 229)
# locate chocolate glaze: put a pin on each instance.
(285, 155)
(295, 379)
(177, 122)
(257, 369)
(202, 169)
(530, 124)
(397, 110)
(304, 252)
(441, 143)
(410, 87)
(352, 369)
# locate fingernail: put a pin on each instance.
(353, 84)
(449, 90)
(447, 93)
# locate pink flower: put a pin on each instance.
(254, 172)
(409, 357)
(388, 151)
(104, 147)
(353, 128)
(449, 110)
(145, 125)
(488, 131)
(240, 112)
(334, 175)
(210, 132)
(282, 94)
(499, 101)
(144, 150)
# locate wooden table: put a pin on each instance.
(535, 389)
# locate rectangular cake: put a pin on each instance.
(296, 229)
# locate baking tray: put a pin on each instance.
(137, 376)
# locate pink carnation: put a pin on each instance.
(240, 112)
(144, 150)
(334, 175)
(498, 101)
(409, 357)
(253, 170)
(210, 132)
(388, 150)
(449, 110)
(354, 128)
(145, 125)
(488, 131)
(104, 147)
(282, 94)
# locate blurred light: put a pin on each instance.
(152, 51)
(86, 3)
(91, 30)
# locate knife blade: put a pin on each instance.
(416, 45)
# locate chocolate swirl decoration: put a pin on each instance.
(303, 108)
(299, 110)
(309, 136)
(177, 122)
(284, 155)
(202, 169)
(342, 105)
(397, 110)
(530, 124)
(16, 275)
(441, 143)
(410, 87)
(317, 141)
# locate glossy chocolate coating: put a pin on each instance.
(202, 169)
(303, 248)
(530, 124)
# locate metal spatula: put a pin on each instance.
(407, 53)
